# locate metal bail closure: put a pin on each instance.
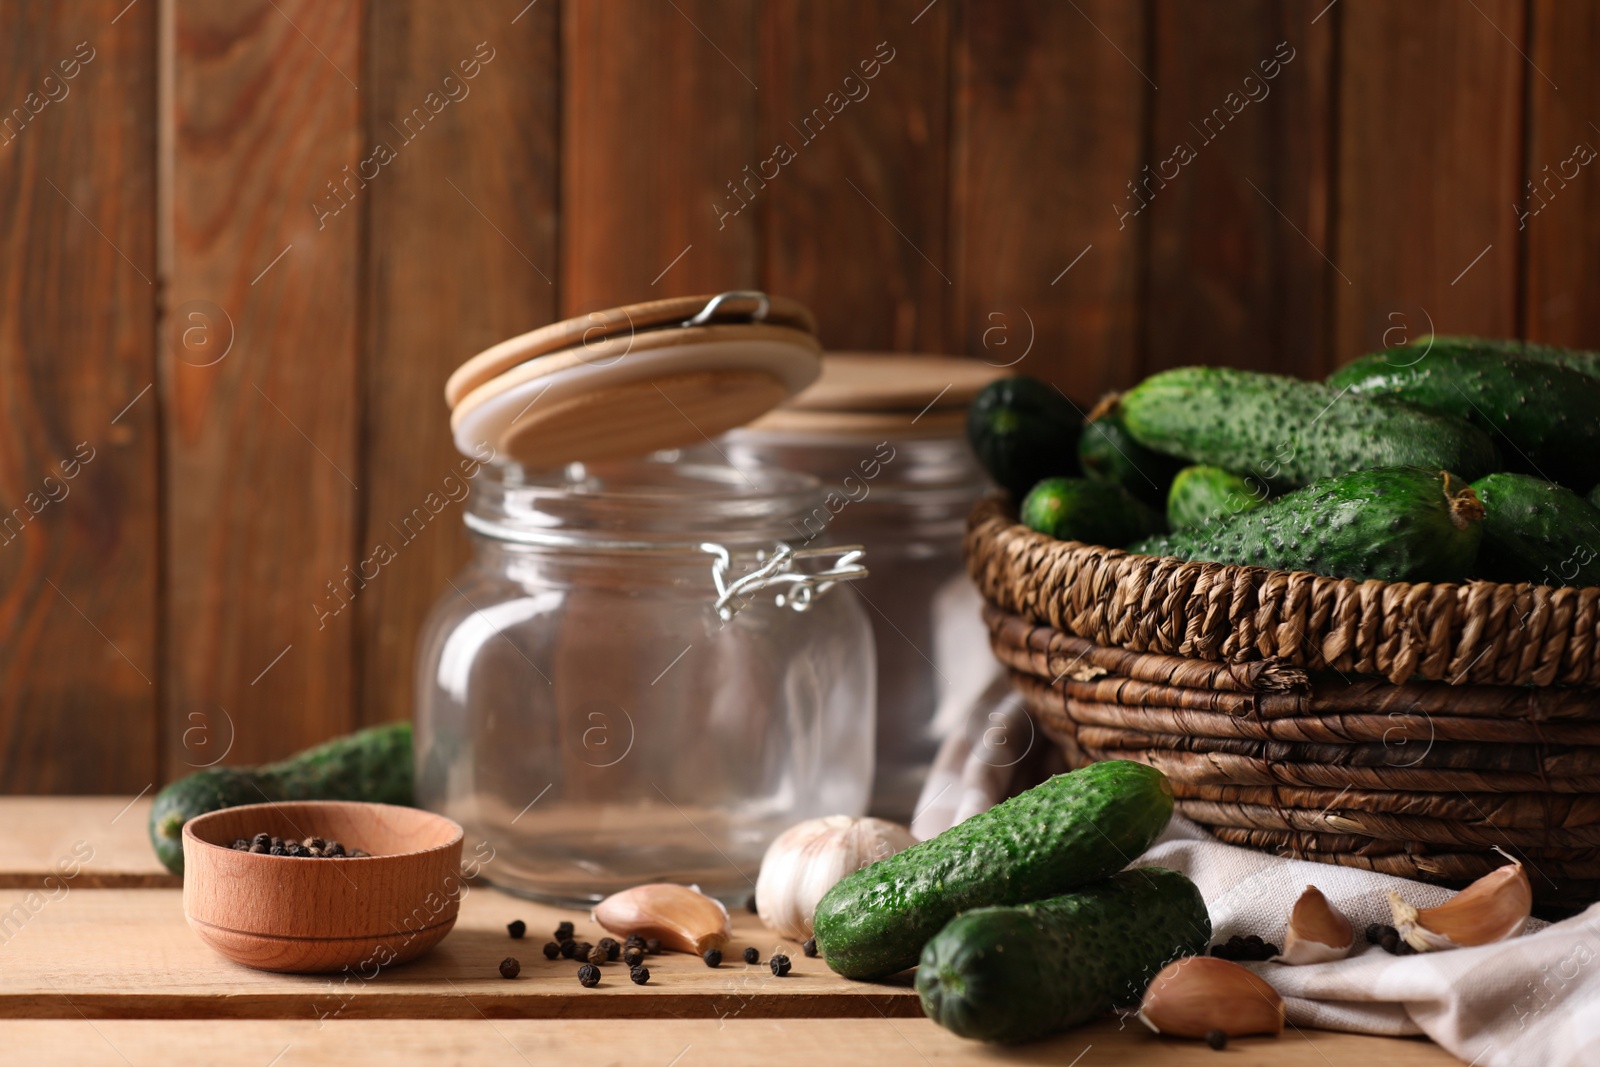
(778, 569)
(714, 309)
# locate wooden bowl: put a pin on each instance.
(284, 913)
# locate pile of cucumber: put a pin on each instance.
(1451, 459)
(1017, 919)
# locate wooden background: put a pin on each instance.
(252, 360)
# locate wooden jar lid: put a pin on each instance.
(632, 380)
(889, 393)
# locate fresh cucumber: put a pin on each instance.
(1071, 830)
(1537, 532)
(1200, 494)
(1289, 433)
(1010, 974)
(1544, 416)
(1107, 452)
(1578, 359)
(1096, 513)
(1396, 524)
(1023, 430)
(372, 765)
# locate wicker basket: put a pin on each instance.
(1408, 729)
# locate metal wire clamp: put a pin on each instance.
(778, 569)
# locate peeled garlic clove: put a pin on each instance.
(682, 918)
(1318, 931)
(1493, 908)
(1194, 996)
(810, 858)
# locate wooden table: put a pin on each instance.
(100, 967)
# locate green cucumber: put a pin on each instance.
(1096, 513)
(1023, 430)
(1545, 417)
(372, 765)
(1108, 453)
(1534, 531)
(1010, 974)
(1289, 433)
(1579, 359)
(1071, 830)
(1394, 524)
(1200, 494)
(1594, 496)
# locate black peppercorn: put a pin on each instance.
(240, 844)
(256, 846)
(588, 976)
(613, 949)
(652, 945)
(334, 849)
(551, 950)
(780, 965)
(516, 928)
(262, 839)
(564, 932)
(633, 941)
(1374, 933)
(510, 968)
(569, 948)
(581, 950)
(598, 955)
(277, 850)
(809, 948)
(639, 974)
(1217, 1039)
(752, 956)
(713, 957)
(633, 956)
(314, 842)
(1268, 951)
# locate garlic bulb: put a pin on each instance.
(1493, 908)
(1318, 931)
(810, 858)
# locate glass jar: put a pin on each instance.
(904, 497)
(605, 711)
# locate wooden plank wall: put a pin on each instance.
(243, 243)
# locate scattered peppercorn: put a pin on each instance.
(1217, 1039)
(1375, 932)
(564, 932)
(598, 955)
(551, 950)
(613, 949)
(516, 928)
(639, 974)
(1245, 949)
(652, 945)
(588, 976)
(569, 948)
(633, 956)
(780, 965)
(810, 948)
(633, 941)
(510, 968)
(581, 950)
(713, 957)
(752, 956)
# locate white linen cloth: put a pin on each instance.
(1531, 1001)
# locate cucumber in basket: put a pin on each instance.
(1023, 430)
(1200, 494)
(1578, 359)
(1010, 974)
(1107, 452)
(1547, 416)
(1537, 532)
(1396, 524)
(1096, 513)
(1289, 432)
(1073, 829)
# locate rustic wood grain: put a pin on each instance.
(1235, 277)
(461, 254)
(1430, 159)
(78, 465)
(856, 221)
(100, 842)
(1563, 236)
(799, 1043)
(658, 116)
(262, 463)
(1050, 105)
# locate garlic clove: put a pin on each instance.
(1318, 931)
(682, 918)
(810, 858)
(1493, 908)
(1193, 996)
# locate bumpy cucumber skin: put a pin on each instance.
(1107, 452)
(1023, 430)
(1537, 532)
(1579, 359)
(1201, 493)
(1394, 524)
(1011, 974)
(1096, 513)
(1073, 829)
(1546, 416)
(372, 765)
(1289, 432)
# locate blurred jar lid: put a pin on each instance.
(632, 380)
(895, 394)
